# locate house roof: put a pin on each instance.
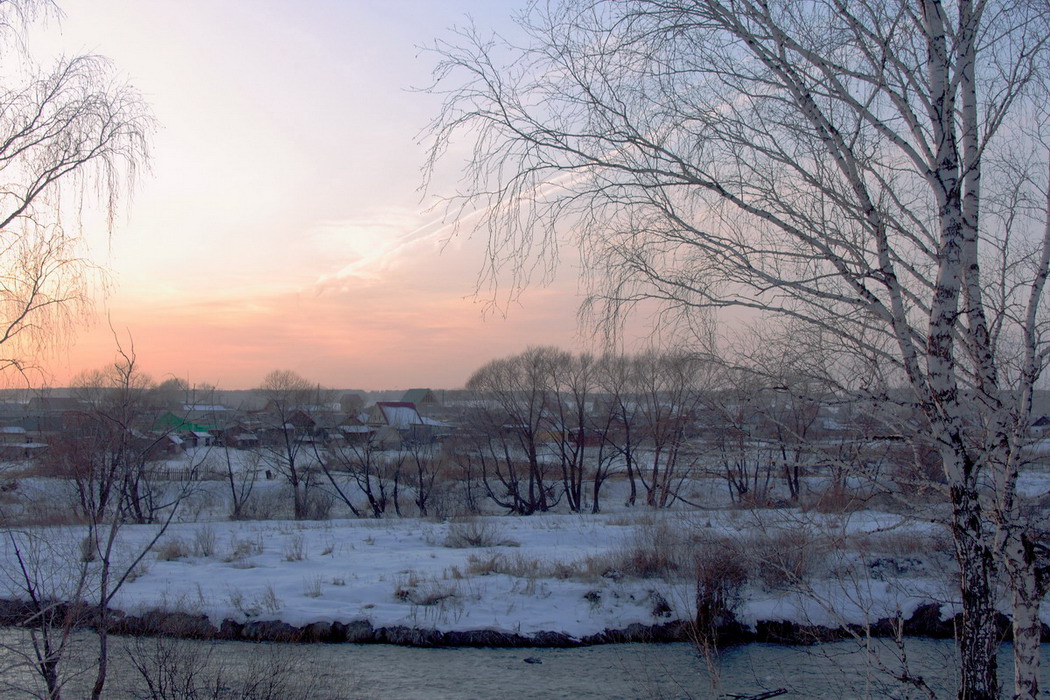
(169, 421)
(55, 403)
(418, 397)
(399, 414)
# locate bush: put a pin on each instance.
(656, 550)
(295, 548)
(319, 505)
(312, 587)
(241, 549)
(204, 541)
(169, 669)
(721, 574)
(473, 532)
(88, 549)
(267, 504)
(427, 593)
(836, 498)
(783, 558)
(172, 549)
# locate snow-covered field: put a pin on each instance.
(575, 574)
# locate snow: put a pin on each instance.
(398, 572)
(1033, 483)
(556, 572)
(401, 416)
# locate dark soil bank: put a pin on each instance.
(925, 622)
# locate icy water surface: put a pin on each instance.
(330, 672)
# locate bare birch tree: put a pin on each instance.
(68, 133)
(874, 171)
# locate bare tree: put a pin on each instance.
(511, 421)
(617, 377)
(376, 472)
(284, 447)
(64, 129)
(68, 132)
(670, 388)
(427, 463)
(737, 435)
(241, 478)
(107, 459)
(113, 446)
(873, 171)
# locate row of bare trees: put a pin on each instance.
(541, 429)
(544, 423)
(360, 474)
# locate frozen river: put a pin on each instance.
(327, 672)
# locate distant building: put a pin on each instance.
(403, 417)
(352, 402)
(420, 398)
(54, 403)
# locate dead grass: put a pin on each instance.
(835, 498)
(519, 566)
(172, 549)
(204, 541)
(782, 558)
(476, 532)
(242, 548)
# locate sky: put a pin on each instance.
(282, 224)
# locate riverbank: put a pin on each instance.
(925, 622)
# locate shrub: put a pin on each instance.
(88, 549)
(473, 532)
(267, 504)
(140, 570)
(269, 600)
(204, 541)
(483, 566)
(241, 549)
(721, 574)
(425, 592)
(170, 669)
(312, 587)
(295, 548)
(319, 505)
(836, 498)
(172, 549)
(655, 550)
(783, 558)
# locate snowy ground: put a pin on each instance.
(564, 573)
(570, 573)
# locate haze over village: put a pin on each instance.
(493, 348)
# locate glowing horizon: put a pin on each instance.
(282, 224)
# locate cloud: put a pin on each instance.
(376, 246)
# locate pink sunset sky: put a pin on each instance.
(281, 225)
